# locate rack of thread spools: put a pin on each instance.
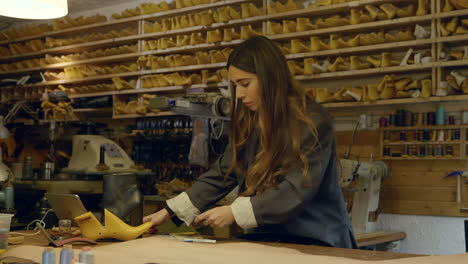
(162, 144)
(407, 135)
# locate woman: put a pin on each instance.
(281, 155)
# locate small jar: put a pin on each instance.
(28, 168)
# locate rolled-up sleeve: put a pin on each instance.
(208, 189)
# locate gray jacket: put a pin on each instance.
(315, 211)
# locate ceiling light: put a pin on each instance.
(33, 9)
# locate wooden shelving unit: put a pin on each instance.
(432, 19)
(458, 146)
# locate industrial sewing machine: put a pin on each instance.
(97, 154)
(363, 178)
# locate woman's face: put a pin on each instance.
(247, 88)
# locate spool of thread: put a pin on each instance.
(391, 120)
(465, 118)
(441, 135)
(383, 122)
(431, 118)
(414, 119)
(422, 151)
(434, 135)
(414, 150)
(419, 119)
(456, 134)
(66, 254)
(408, 118)
(387, 136)
(440, 116)
(451, 120)
(386, 151)
(449, 151)
(86, 256)
(416, 135)
(402, 136)
(405, 153)
(426, 135)
(440, 151)
(430, 150)
(449, 135)
(48, 256)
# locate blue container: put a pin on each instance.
(66, 254)
(440, 116)
(48, 256)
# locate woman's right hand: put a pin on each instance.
(158, 218)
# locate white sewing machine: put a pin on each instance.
(86, 156)
(367, 176)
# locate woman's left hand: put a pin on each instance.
(217, 217)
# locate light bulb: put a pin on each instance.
(34, 9)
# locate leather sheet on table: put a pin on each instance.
(169, 251)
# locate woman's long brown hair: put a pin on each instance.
(281, 119)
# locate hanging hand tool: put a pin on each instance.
(459, 174)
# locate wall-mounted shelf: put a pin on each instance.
(146, 115)
(431, 20)
(422, 143)
(354, 28)
(457, 147)
(403, 45)
(152, 90)
(366, 72)
(401, 101)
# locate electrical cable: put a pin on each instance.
(213, 130)
(353, 139)
(41, 222)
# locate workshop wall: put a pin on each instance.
(414, 198)
(426, 234)
(411, 188)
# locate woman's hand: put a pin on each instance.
(217, 217)
(158, 218)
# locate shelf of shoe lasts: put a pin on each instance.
(152, 90)
(454, 63)
(354, 28)
(423, 143)
(450, 39)
(327, 10)
(76, 47)
(126, 56)
(422, 158)
(295, 13)
(456, 13)
(90, 110)
(169, 13)
(107, 59)
(191, 48)
(127, 39)
(364, 49)
(128, 74)
(166, 113)
(367, 72)
(23, 55)
(121, 40)
(402, 101)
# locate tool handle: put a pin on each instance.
(102, 152)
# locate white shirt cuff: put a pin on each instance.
(183, 208)
(243, 213)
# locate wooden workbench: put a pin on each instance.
(40, 240)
